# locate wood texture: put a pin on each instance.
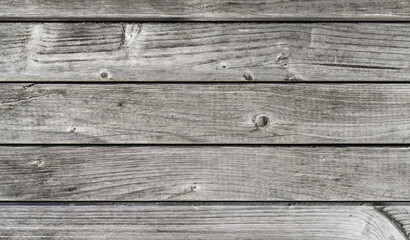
(206, 10)
(198, 221)
(122, 183)
(204, 173)
(205, 113)
(400, 216)
(204, 52)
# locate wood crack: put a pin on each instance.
(399, 226)
(27, 86)
(357, 66)
(21, 99)
(24, 99)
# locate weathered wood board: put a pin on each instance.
(202, 221)
(204, 52)
(205, 10)
(204, 173)
(205, 113)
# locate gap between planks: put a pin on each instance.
(207, 203)
(207, 10)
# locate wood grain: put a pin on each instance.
(400, 216)
(204, 52)
(196, 221)
(202, 173)
(205, 113)
(205, 10)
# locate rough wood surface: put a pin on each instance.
(204, 52)
(198, 221)
(205, 113)
(204, 173)
(206, 10)
(400, 216)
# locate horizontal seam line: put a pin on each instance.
(203, 82)
(205, 20)
(229, 202)
(211, 144)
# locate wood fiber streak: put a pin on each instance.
(204, 173)
(204, 52)
(197, 222)
(205, 113)
(206, 10)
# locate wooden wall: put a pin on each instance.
(146, 119)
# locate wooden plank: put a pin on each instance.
(197, 221)
(204, 52)
(201, 173)
(205, 113)
(206, 10)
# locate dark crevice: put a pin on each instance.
(295, 20)
(15, 101)
(376, 204)
(307, 145)
(114, 81)
(357, 66)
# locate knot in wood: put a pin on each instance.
(104, 74)
(262, 121)
(73, 129)
(37, 163)
(248, 76)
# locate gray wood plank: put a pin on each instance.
(204, 52)
(206, 10)
(201, 173)
(205, 113)
(197, 221)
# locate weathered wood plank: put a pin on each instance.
(206, 10)
(205, 113)
(197, 221)
(204, 52)
(204, 173)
